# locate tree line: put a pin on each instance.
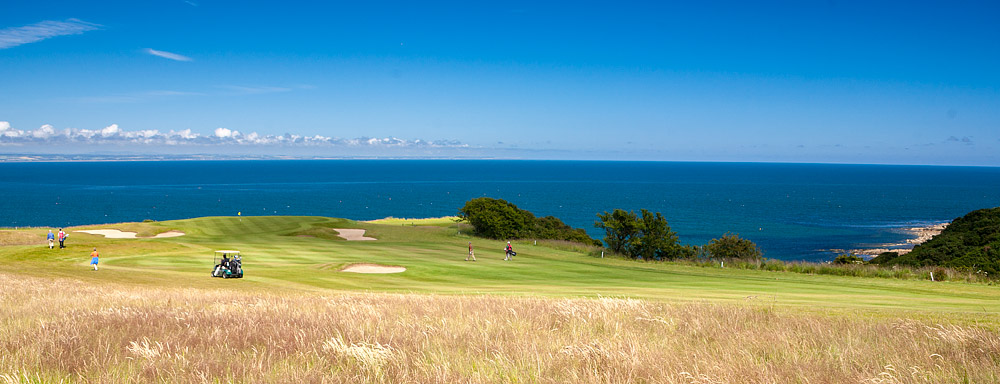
(647, 236)
(642, 236)
(499, 219)
(971, 244)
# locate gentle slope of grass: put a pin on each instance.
(65, 330)
(434, 221)
(554, 314)
(278, 256)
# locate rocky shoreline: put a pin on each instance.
(920, 236)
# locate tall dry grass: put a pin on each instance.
(901, 272)
(67, 331)
(21, 238)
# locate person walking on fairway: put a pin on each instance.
(93, 258)
(52, 239)
(62, 238)
(471, 254)
(509, 252)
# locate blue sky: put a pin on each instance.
(796, 81)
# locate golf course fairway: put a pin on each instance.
(556, 313)
(305, 253)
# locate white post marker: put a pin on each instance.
(602, 254)
(932, 276)
(722, 265)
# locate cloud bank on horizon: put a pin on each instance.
(841, 82)
(112, 134)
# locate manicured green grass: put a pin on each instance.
(434, 221)
(302, 253)
(152, 313)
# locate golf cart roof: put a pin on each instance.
(228, 252)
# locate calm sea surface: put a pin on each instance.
(792, 211)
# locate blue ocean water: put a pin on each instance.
(792, 211)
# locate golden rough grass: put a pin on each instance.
(434, 221)
(21, 238)
(69, 331)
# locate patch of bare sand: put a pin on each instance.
(116, 234)
(372, 268)
(353, 234)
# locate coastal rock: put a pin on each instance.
(920, 236)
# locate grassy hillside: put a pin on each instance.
(64, 330)
(970, 242)
(153, 314)
(303, 253)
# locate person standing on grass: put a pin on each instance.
(508, 252)
(471, 255)
(52, 239)
(93, 258)
(62, 238)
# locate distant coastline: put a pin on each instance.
(137, 157)
(50, 158)
(919, 235)
(792, 211)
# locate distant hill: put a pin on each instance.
(970, 242)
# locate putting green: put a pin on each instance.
(305, 253)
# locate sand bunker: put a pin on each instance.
(353, 235)
(116, 234)
(372, 268)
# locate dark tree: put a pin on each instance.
(550, 227)
(656, 240)
(622, 230)
(731, 246)
(496, 219)
(499, 219)
(647, 236)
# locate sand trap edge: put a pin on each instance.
(353, 234)
(372, 268)
(117, 234)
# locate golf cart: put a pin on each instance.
(228, 264)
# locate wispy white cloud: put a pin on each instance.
(14, 36)
(256, 90)
(224, 90)
(113, 134)
(113, 99)
(170, 93)
(167, 55)
(133, 97)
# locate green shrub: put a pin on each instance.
(499, 219)
(731, 246)
(496, 219)
(970, 242)
(848, 259)
(645, 236)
